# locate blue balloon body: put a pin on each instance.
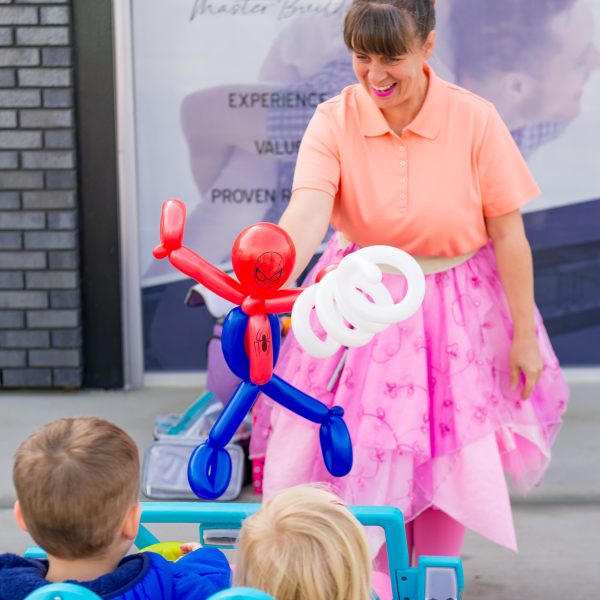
(209, 467)
(232, 341)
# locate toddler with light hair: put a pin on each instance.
(304, 544)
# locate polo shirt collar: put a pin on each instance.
(428, 121)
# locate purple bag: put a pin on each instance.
(219, 378)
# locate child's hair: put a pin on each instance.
(304, 544)
(75, 480)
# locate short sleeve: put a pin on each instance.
(505, 180)
(318, 164)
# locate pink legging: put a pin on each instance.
(432, 533)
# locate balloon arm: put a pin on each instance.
(295, 400)
(172, 224)
(196, 267)
(283, 301)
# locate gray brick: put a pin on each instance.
(52, 319)
(50, 240)
(21, 180)
(7, 78)
(62, 220)
(11, 280)
(67, 378)
(22, 261)
(66, 338)
(44, 77)
(43, 36)
(54, 358)
(12, 319)
(48, 200)
(51, 280)
(48, 159)
(24, 378)
(58, 98)
(46, 118)
(20, 139)
(23, 300)
(61, 180)
(59, 139)
(22, 220)
(18, 15)
(8, 118)
(57, 57)
(19, 57)
(9, 160)
(55, 15)
(11, 240)
(18, 98)
(24, 338)
(9, 200)
(64, 260)
(6, 36)
(68, 299)
(12, 358)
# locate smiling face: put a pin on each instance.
(396, 84)
(394, 81)
(390, 41)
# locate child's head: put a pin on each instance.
(304, 544)
(76, 482)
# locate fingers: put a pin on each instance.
(189, 547)
(531, 378)
(515, 373)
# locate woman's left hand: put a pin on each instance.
(524, 357)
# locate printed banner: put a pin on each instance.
(225, 88)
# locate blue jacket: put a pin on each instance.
(144, 576)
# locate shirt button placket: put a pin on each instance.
(403, 175)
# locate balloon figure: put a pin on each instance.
(263, 257)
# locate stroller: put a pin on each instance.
(435, 578)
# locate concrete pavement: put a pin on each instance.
(558, 525)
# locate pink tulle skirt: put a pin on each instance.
(433, 420)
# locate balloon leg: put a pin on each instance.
(336, 444)
(209, 471)
(209, 467)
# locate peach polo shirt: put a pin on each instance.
(426, 191)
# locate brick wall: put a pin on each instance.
(40, 334)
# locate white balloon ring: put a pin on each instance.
(349, 284)
(351, 302)
(303, 330)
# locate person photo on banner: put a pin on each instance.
(440, 406)
(531, 59)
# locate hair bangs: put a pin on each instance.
(379, 29)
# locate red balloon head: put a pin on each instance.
(263, 257)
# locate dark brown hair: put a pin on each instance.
(388, 27)
(75, 481)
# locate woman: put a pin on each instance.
(439, 405)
